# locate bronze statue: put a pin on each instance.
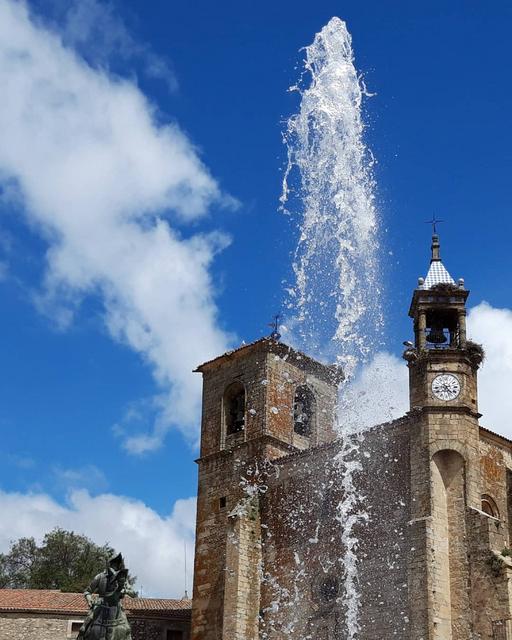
(106, 619)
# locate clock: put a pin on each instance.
(446, 386)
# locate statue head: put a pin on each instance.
(117, 573)
(116, 563)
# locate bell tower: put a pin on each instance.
(261, 402)
(443, 364)
(445, 461)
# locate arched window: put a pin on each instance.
(303, 411)
(234, 408)
(489, 506)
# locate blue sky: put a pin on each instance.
(73, 390)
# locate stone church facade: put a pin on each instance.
(434, 489)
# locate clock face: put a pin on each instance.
(445, 386)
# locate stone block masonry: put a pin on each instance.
(25, 627)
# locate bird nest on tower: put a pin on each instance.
(444, 287)
(475, 353)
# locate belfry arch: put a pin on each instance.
(304, 408)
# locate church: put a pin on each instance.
(435, 488)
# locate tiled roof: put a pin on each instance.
(229, 353)
(437, 274)
(157, 604)
(41, 600)
(48, 601)
(497, 435)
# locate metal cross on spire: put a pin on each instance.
(433, 222)
(275, 335)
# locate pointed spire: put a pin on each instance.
(437, 273)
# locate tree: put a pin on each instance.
(65, 560)
(16, 566)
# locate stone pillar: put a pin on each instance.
(462, 328)
(450, 569)
(420, 534)
(242, 584)
(439, 559)
(422, 326)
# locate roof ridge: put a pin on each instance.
(52, 600)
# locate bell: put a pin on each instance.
(436, 336)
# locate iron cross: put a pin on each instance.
(433, 222)
(275, 326)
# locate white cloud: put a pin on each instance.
(98, 177)
(378, 394)
(492, 328)
(152, 545)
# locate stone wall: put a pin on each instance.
(283, 376)
(270, 374)
(496, 471)
(302, 543)
(34, 627)
(490, 600)
(242, 581)
(40, 626)
(154, 627)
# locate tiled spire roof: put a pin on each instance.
(437, 273)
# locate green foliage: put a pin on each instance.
(65, 560)
(506, 552)
(17, 565)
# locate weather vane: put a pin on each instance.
(433, 222)
(275, 335)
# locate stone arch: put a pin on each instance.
(450, 463)
(450, 565)
(233, 408)
(449, 445)
(489, 506)
(304, 410)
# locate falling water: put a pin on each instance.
(335, 297)
(334, 300)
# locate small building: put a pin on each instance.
(37, 614)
